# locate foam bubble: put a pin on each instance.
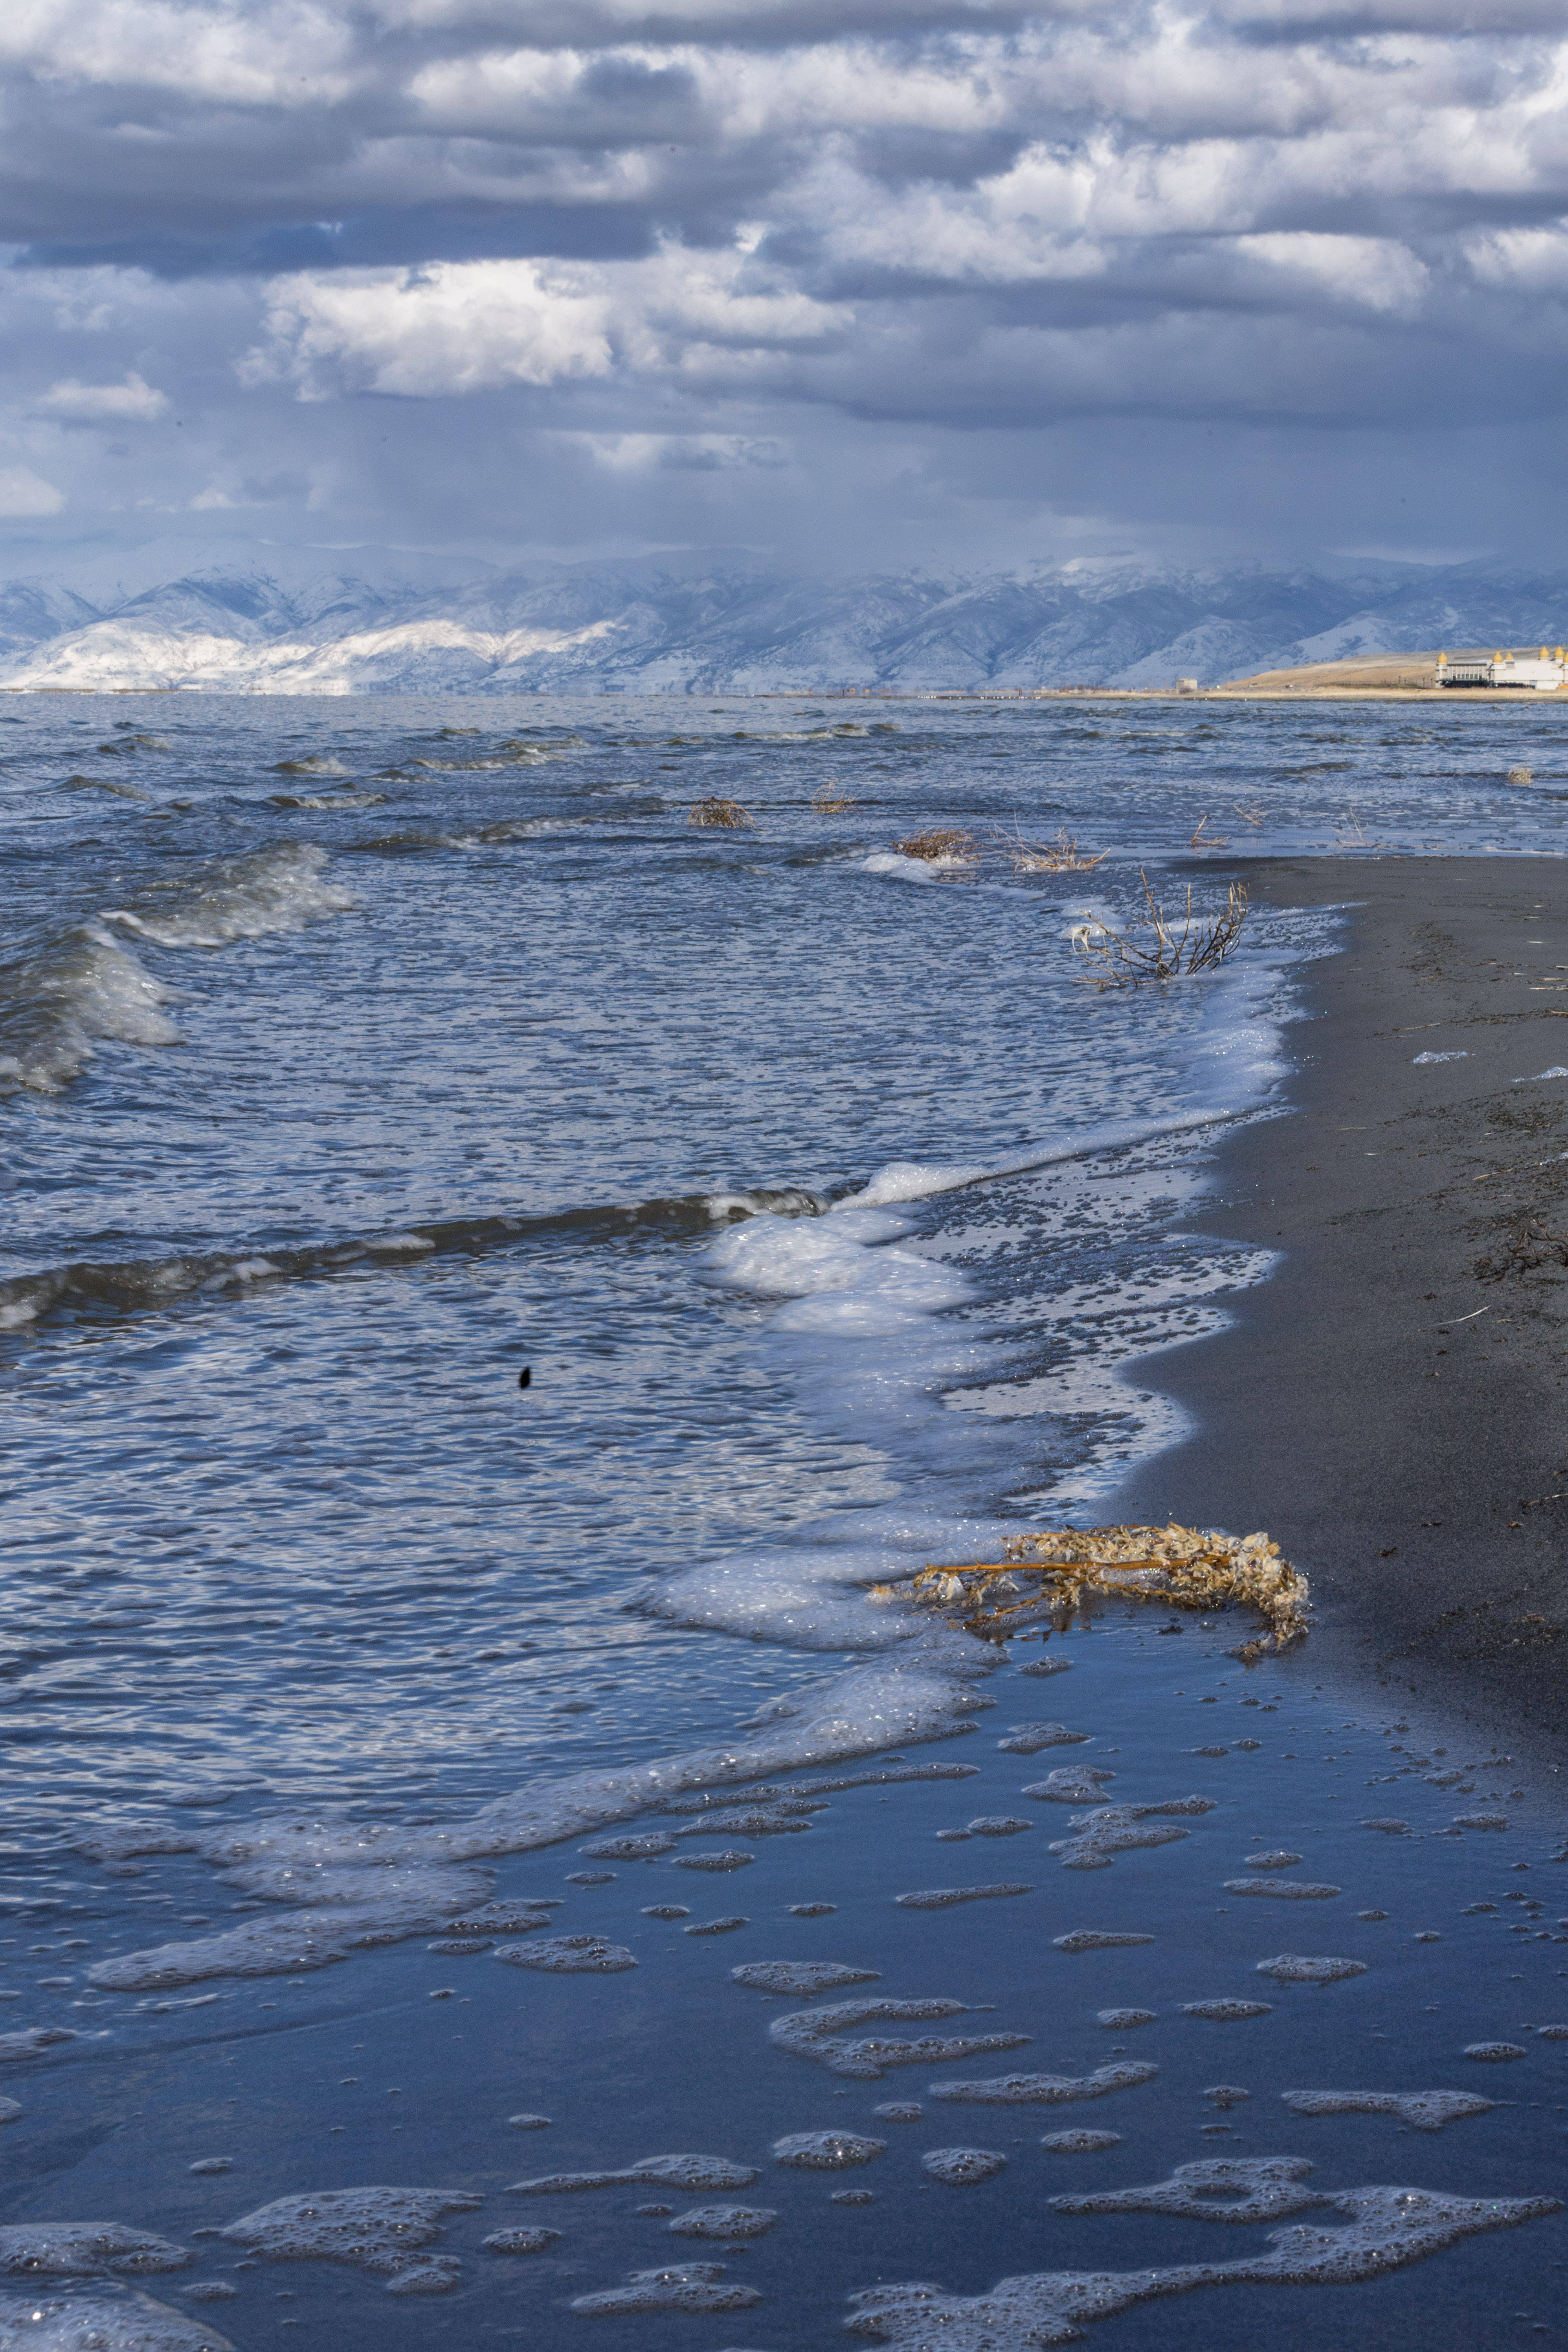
(961, 2168)
(568, 1956)
(520, 2239)
(80, 2249)
(717, 1926)
(1391, 1827)
(102, 2322)
(823, 2034)
(1122, 2020)
(31, 2042)
(1042, 1666)
(1048, 2090)
(373, 2228)
(732, 1860)
(995, 1825)
(685, 2286)
(688, 2172)
(1293, 1968)
(1281, 1859)
(1214, 2188)
(1288, 1889)
(825, 2151)
(800, 1977)
(1494, 2052)
(10, 2110)
(942, 1898)
(1080, 2142)
(1226, 2013)
(1069, 1784)
(1383, 2230)
(1096, 1939)
(1424, 2110)
(1028, 1739)
(1111, 1830)
(899, 2111)
(723, 2221)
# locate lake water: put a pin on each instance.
(360, 1054)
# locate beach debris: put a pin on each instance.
(1155, 947)
(940, 846)
(962, 2167)
(1214, 2188)
(715, 810)
(830, 799)
(1522, 775)
(1048, 2090)
(1182, 1568)
(1205, 840)
(1422, 2110)
(1061, 855)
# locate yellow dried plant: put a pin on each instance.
(715, 810)
(1182, 1568)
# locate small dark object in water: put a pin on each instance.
(525, 1378)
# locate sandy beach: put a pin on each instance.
(1391, 1404)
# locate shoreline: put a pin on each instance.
(1415, 1467)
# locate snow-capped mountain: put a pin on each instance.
(644, 626)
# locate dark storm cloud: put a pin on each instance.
(367, 262)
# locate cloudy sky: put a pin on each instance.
(874, 283)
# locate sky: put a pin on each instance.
(864, 286)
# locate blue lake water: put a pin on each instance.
(358, 1055)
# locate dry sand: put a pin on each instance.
(1392, 1405)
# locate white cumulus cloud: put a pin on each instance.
(23, 492)
(130, 403)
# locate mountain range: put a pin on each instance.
(647, 625)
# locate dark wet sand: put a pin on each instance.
(1392, 1405)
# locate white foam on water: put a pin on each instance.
(828, 2036)
(375, 2230)
(1048, 2090)
(1385, 2229)
(826, 2151)
(85, 2249)
(58, 1002)
(103, 2321)
(1422, 2110)
(238, 898)
(685, 2286)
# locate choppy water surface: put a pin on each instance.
(358, 1055)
